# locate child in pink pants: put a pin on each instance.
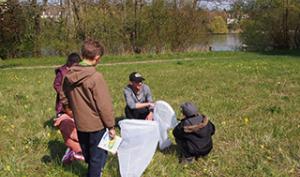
(67, 128)
(64, 122)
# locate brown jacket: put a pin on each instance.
(86, 93)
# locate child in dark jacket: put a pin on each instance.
(60, 72)
(193, 134)
(64, 122)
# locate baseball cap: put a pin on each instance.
(136, 77)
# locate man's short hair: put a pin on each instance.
(91, 48)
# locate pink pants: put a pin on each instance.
(68, 130)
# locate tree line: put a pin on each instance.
(269, 24)
(40, 27)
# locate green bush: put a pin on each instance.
(218, 25)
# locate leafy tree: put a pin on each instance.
(20, 29)
(12, 29)
(218, 25)
(271, 24)
(33, 28)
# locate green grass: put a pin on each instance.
(54, 61)
(253, 99)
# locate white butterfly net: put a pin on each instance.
(166, 118)
(140, 138)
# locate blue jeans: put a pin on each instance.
(95, 157)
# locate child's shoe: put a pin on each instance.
(78, 156)
(186, 160)
(68, 157)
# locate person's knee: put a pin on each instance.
(73, 145)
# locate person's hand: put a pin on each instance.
(149, 116)
(151, 105)
(112, 132)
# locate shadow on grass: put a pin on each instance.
(173, 149)
(57, 150)
(112, 165)
(294, 53)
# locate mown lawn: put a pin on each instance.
(253, 99)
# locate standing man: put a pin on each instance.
(138, 98)
(86, 93)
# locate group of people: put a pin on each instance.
(84, 111)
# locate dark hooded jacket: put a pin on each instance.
(195, 134)
(86, 93)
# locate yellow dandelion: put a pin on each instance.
(7, 168)
(48, 134)
(7, 129)
(246, 120)
(292, 170)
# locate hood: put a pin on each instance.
(63, 69)
(78, 74)
(188, 109)
(195, 123)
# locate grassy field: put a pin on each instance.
(253, 99)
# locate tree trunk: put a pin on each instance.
(285, 42)
(37, 28)
(297, 37)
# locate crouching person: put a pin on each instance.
(193, 134)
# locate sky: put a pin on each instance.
(209, 4)
(214, 5)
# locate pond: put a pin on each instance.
(217, 42)
(225, 42)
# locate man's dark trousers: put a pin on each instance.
(136, 113)
(94, 156)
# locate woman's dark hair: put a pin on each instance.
(73, 58)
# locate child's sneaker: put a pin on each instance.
(78, 156)
(187, 160)
(68, 157)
